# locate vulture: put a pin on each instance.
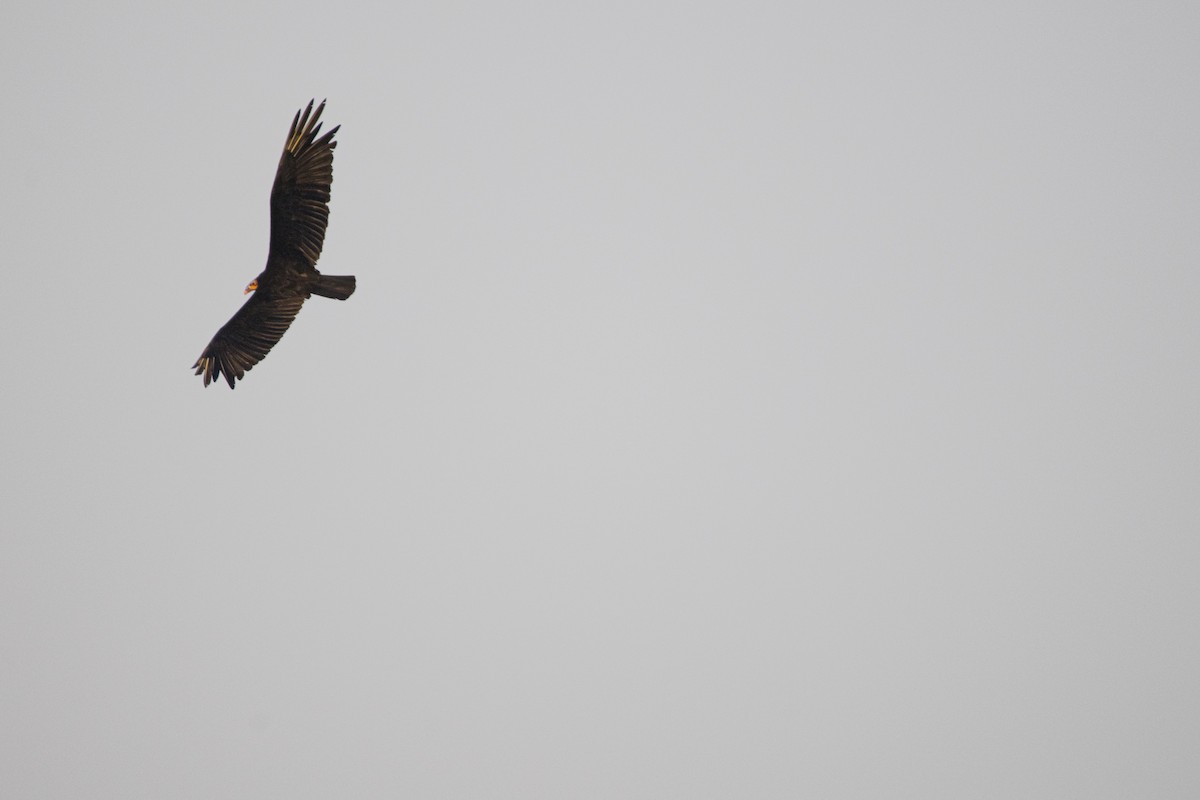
(299, 216)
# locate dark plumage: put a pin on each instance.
(299, 215)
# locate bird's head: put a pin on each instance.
(251, 286)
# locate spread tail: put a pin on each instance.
(339, 287)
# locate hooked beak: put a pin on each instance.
(251, 287)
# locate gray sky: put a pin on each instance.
(739, 400)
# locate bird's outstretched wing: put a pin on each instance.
(247, 337)
(300, 196)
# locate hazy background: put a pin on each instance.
(740, 400)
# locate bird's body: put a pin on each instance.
(299, 216)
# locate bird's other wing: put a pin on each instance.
(300, 196)
(247, 337)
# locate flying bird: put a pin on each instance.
(299, 216)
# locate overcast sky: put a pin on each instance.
(739, 400)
